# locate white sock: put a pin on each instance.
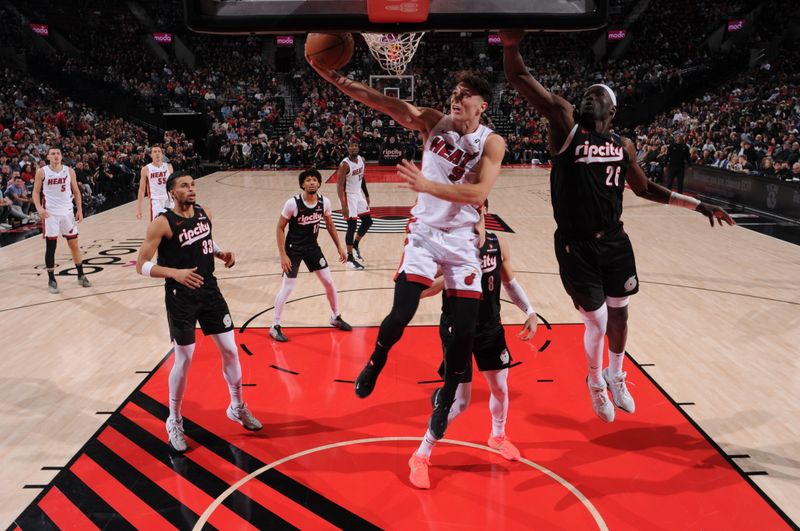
(615, 360)
(281, 298)
(178, 376)
(498, 400)
(593, 342)
(231, 368)
(427, 444)
(324, 276)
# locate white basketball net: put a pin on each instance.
(393, 51)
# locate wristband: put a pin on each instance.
(146, 267)
(684, 201)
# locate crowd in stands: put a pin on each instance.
(105, 151)
(259, 118)
(750, 124)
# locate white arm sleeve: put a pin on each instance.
(518, 296)
(326, 206)
(289, 208)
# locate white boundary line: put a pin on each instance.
(233, 488)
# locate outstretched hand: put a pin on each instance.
(714, 212)
(412, 175)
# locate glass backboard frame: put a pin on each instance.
(297, 16)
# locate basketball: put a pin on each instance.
(329, 50)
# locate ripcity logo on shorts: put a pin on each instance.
(227, 321)
(188, 237)
(505, 357)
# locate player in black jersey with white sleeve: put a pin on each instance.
(303, 214)
(595, 257)
(186, 251)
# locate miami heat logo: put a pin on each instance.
(469, 279)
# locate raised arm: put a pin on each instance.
(647, 189)
(411, 117)
(469, 193)
(556, 109)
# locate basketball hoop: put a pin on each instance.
(393, 51)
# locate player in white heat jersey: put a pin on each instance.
(460, 164)
(351, 186)
(153, 178)
(59, 186)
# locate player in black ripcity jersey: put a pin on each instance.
(489, 348)
(303, 213)
(186, 254)
(595, 257)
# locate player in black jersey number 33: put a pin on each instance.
(186, 254)
(595, 257)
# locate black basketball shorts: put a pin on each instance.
(489, 349)
(596, 268)
(312, 256)
(187, 307)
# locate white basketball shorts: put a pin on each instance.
(456, 251)
(56, 225)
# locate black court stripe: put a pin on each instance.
(284, 370)
(292, 489)
(244, 506)
(90, 503)
(142, 487)
(544, 346)
(34, 518)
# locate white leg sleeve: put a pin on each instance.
(593, 342)
(178, 377)
(324, 276)
(498, 401)
(282, 297)
(231, 368)
(461, 402)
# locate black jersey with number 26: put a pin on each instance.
(587, 181)
(304, 226)
(190, 246)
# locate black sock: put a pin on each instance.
(350, 255)
(79, 267)
(355, 245)
(51, 275)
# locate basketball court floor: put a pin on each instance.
(714, 443)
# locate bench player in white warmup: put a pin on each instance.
(59, 186)
(460, 164)
(351, 186)
(153, 178)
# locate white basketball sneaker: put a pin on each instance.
(176, 438)
(600, 403)
(243, 416)
(619, 391)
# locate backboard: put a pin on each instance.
(296, 16)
